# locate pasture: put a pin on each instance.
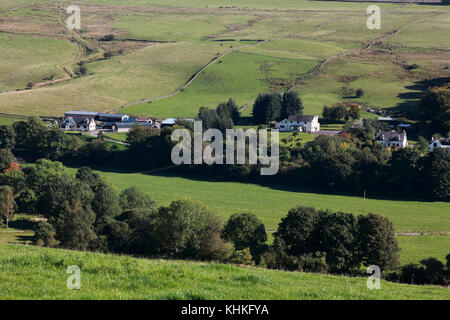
(40, 273)
(271, 203)
(299, 35)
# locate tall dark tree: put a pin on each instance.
(436, 174)
(7, 204)
(435, 109)
(7, 137)
(267, 107)
(74, 226)
(245, 230)
(297, 229)
(377, 242)
(291, 104)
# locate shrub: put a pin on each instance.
(44, 235)
(359, 93)
(245, 230)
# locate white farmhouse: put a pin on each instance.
(78, 124)
(440, 143)
(299, 123)
(391, 139)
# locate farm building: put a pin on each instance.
(391, 139)
(78, 124)
(168, 122)
(110, 117)
(82, 114)
(299, 123)
(127, 126)
(440, 143)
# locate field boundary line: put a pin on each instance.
(192, 78)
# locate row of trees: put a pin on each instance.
(350, 162)
(274, 106)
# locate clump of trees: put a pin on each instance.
(321, 241)
(341, 112)
(222, 118)
(435, 109)
(274, 106)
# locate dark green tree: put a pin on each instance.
(74, 225)
(245, 230)
(291, 104)
(267, 107)
(377, 242)
(296, 230)
(7, 137)
(134, 198)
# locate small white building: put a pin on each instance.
(440, 143)
(391, 139)
(299, 123)
(78, 124)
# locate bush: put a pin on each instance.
(44, 235)
(359, 93)
(245, 230)
(134, 198)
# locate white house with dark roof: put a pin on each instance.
(391, 139)
(300, 123)
(443, 143)
(78, 124)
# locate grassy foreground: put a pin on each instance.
(28, 272)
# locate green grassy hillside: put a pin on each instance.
(270, 204)
(28, 272)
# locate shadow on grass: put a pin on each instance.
(177, 172)
(411, 104)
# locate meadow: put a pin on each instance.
(28, 272)
(271, 203)
(299, 35)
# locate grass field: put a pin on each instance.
(40, 273)
(273, 203)
(416, 248)
(300, 34)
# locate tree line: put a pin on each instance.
(350, 162)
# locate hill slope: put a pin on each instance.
(28, 272)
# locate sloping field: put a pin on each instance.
(240, 75)
(299, 35)
(28, 272)
(270, 204)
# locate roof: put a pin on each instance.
(131, 124)
(443, 141)
(82, 113)
(301, 118)
(390, 136)
(169, 121)
(112, 115)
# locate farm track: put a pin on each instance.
(366, 48)
(193, 77)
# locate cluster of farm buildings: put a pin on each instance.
(89, 121)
